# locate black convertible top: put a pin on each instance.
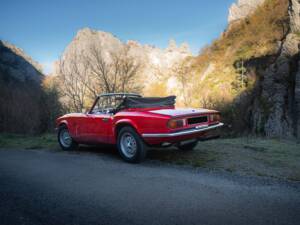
(147, 102)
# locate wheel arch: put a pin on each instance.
(124, 123)
(62, 123)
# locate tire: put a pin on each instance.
(65, 140)
(187, 147)
(130, 145)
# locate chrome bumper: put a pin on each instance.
(185, 132)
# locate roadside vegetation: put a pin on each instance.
(244, 155)
(20, 141)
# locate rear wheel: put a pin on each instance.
(131, 146)
(187, 147)
(65, 140)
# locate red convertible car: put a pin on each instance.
(133, 123)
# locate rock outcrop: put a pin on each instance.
(276, 102)
(154, 60)
(294, 15)
(242, 9)
(16, 65)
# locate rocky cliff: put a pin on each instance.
(242, 9)
(276, 103)
(251, 73)
(18, 66)
(155, 62)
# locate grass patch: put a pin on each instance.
(251, 156)
(45, 141)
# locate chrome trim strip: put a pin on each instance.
(196, 130)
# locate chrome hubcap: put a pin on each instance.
(65, 138)
(128, 145)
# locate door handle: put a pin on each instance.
(104, 119)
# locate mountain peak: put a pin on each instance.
(242, 9)
(183, 48)
(172, 44)
(88, 32)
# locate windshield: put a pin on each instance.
(109, 103)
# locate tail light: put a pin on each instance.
(214, 117)
(173, 123)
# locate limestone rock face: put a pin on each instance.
(294, 15)
(242, 9)
(16, 65)
(86, 39)
(155, 61)
(276, 107)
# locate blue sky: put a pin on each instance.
(44, 28)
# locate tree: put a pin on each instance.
(50, 105)
(84, 76)
(113, 72)
(74, 77)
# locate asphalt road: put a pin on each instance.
(44, 187)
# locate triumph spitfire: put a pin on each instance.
(133, 123)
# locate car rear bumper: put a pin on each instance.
(183, 133)
(195, 133)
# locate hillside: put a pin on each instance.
(16, 65)
(27, 105)
(251, 72)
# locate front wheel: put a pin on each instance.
(65, 140)
(131, 146)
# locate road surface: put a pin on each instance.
(48, 187)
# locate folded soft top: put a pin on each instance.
(148, 102)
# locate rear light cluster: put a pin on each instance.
(176, 123)
(179, 123)
(214, 117)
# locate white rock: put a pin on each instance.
(294, 12)
(157, 63)
(242, 9)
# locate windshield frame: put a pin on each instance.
(107, 103)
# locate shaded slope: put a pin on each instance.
(255, 71)
(25, 105)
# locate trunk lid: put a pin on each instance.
(182, 112)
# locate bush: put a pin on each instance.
(27, 108)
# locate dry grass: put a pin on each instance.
(250, 156)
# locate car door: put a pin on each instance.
(97, 128)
